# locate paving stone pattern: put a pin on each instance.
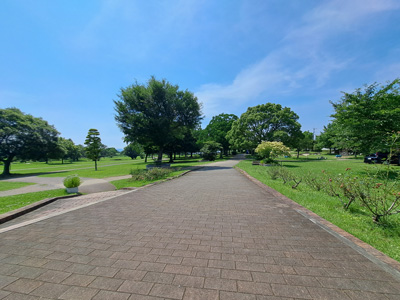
(211, 234)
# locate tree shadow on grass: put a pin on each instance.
(16, 175)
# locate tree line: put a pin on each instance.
(25, 137)
(158, 117)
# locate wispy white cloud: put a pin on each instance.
(302, 60)
(138, 30)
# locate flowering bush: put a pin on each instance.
(268, 151)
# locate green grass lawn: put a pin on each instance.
(9, 203)
(55, 165)
(357, 220)
(5, 186)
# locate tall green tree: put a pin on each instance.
(110, 152)
(133, 150)
(368, 116)
(330, 137)
(73, 151)
(218, 128)
(24, 136)
(93, 146)
(265, 122)
(156, 114)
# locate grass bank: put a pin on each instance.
(9, 203)
(357, 220)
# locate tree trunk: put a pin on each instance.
(62, 161)
(160, 152)
(7, 166)
(170, 158)
(95, 165)
(145, 158)
(298, 153)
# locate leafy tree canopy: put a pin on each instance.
(109, 152)
(156, 114)
(265, 122)
(366, 118)
(133, 150)
(218, 128)
(24, 136)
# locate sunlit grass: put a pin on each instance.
(9, 203)
(6, 186)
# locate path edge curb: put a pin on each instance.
(328, 226)
(8, 216)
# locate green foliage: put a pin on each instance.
(210, 150)
(72, 181)
(218, 128)
(366, 117)
(265, 122)
(110, 152)
(328, 137)
(270, 150)
(93, 146)
(150, 175)
(24, 136)
(156, 114)
(133, 150)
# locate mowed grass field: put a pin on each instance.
(356, 220)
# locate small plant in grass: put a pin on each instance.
(72, 181)
(274, 172)
(314, 181)
(283, 173)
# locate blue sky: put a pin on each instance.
(65, 61)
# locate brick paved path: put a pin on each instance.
(211, 234)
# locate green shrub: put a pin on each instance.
(270, 150)
(72, 181)
(210, 150)
(150, 175)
